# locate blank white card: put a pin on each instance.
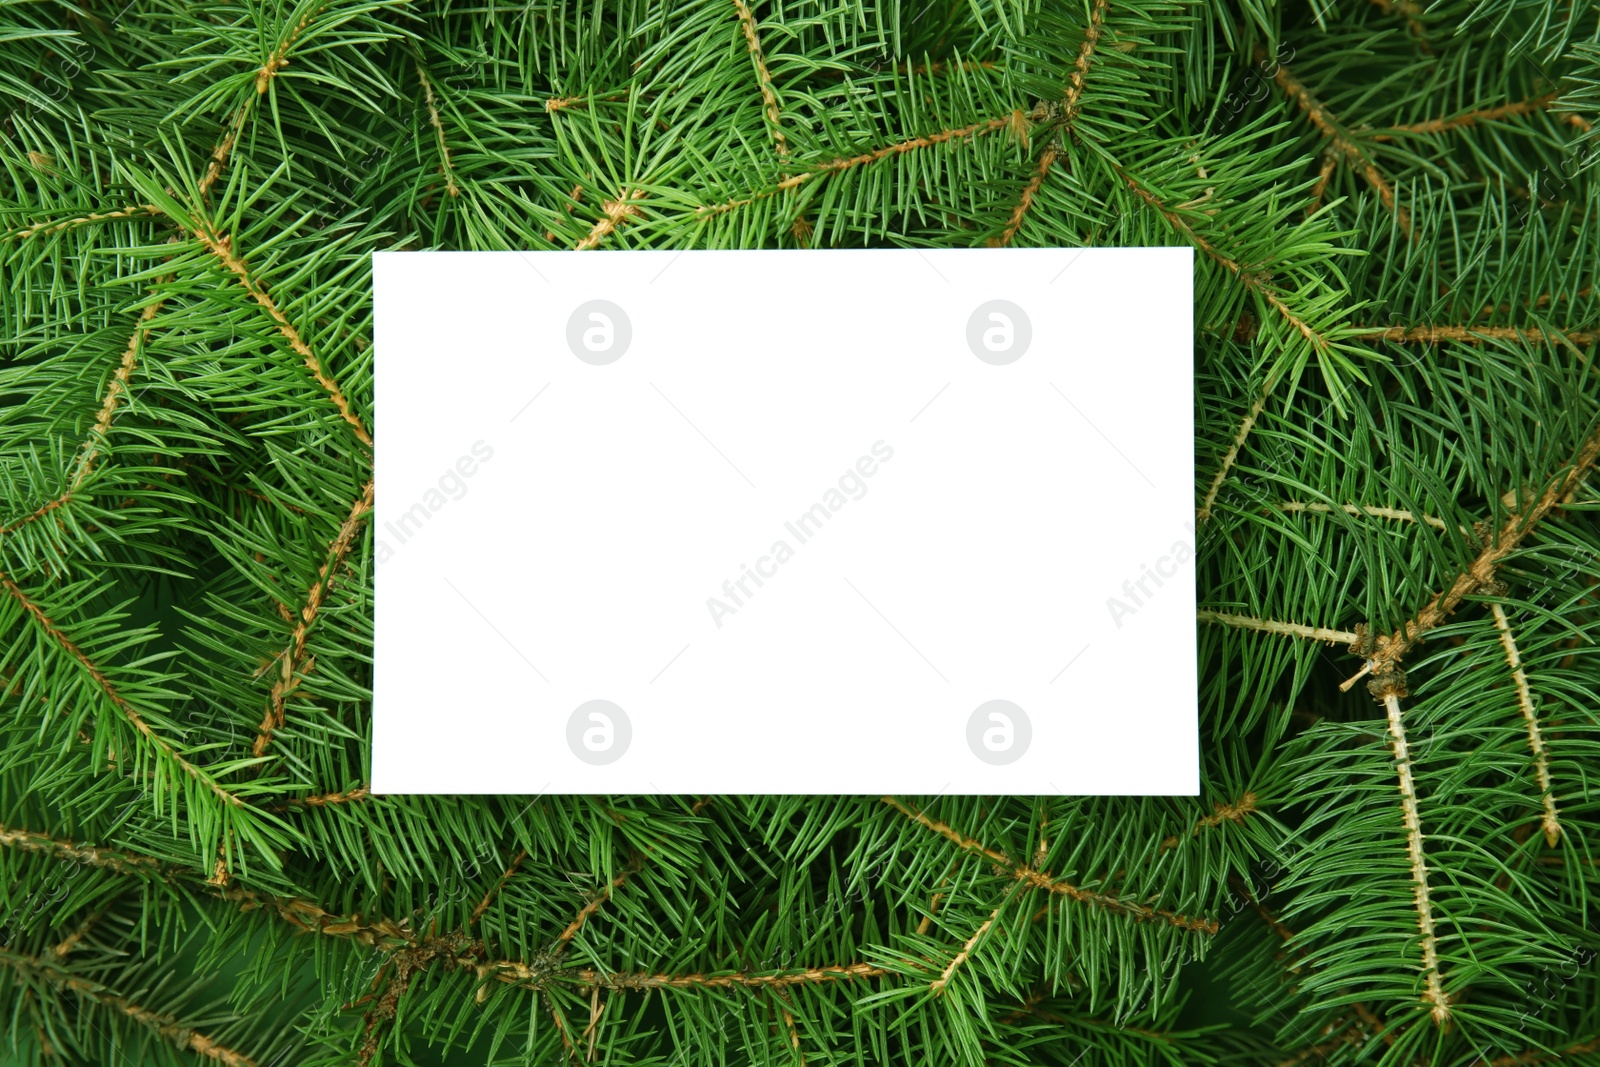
(843, 521)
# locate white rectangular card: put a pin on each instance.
(842, 521)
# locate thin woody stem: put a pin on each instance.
(1272, 626)
(500, 883)
(616, 212)
(349, 796)
(1015, 121)
(1042, 880)
(1472, 118)
(445, 166)
(1067, 115)
(53, 226)
(1434, 992)
(127, 711)
(1231, 456)
(1541, 757)
(221, 246)
(1398, 514)
(937, 986)
(1472, 335)
(292, 658)
(1390, 648)
(66, 850)
(165, 1026)
(275, 62)
(1339, 140)
(1254, 281)
(747, 22)
(808, 976)
(1235, 812)
(588, 910)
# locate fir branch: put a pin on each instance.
(1203, 515)
(587, 911)
(1235, 812)
(938, 985)
(65, 849)
(307, 916)
(1245, 329)
(1136, 911)
(275, 62)
(48, 227)
(69, 944)
(162, 1025)
(500, 883)
(221, 246)
(348, 796)
(392, 982)
(640, 981)
(292, 659)
(1541, 759)
(1469, 119)
(116, 390)
(1398, 514)
(616, 212)
(1339, 140)
(747, 22)
(160, 745)
(1014, 122)
(445, 166)
(1273, 626)
(1434, 993)
(1066, 116)
(1390, 648)
(1473, 335)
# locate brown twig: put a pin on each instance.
(1398, 514)
(165, 1026)
(807, 976)
(747, 21)
(1541, 758)
(445, 166)
(1235, 812)
(1390, 648)
(1067, 114)
(1042, 880)
(292, 658)
(500, 883)
(349, 796)
(1339, 140)
(1434, 993)
(616, 212)
(1273, 626)
(1472, 118)
(588, 910)
(221, 246)
(127, 710)
(66, 850)
(275, 62)
(52, 226)
(116, 390)
(1016, 122)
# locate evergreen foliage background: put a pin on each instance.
(1394, 206)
